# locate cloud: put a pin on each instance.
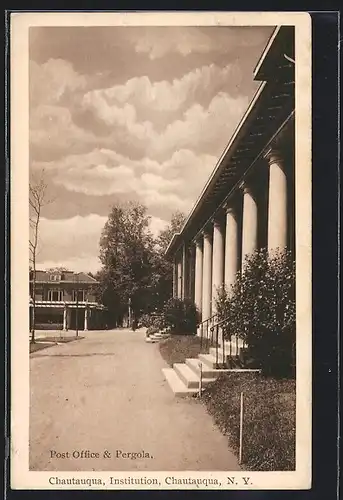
(170, 185)
(50, 81)
(78, 263)
(210, 128)
(157, 225)
(200, 127)
(167, 96)
(52, 127)
(157, 43)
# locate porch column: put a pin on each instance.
(231, 240)
(198, 274)
(207, 277)
(179, 279)
(65, 326)
(217, 262)
(277, 202)
(184, 272)
(85, 326)
(249, 230)
(174, 279)
(68, 317)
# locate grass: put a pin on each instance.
(269, 418)
(177, 348)
(45, 342)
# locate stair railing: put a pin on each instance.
(215, 328)
(204, 328)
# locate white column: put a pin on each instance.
(68, 317)
(231, 238)
(198, 274)
(249, 230)
(207, 277)
(174, 279)
(277, 202)
(65, 319)
(217, 262)
(85, 327)
(184, 272)
(179, 279)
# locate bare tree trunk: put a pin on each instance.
(33, 324)
(37, 201)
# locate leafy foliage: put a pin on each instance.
(133, 263)
(260, 308)
(181, 316)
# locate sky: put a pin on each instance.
(130, 113)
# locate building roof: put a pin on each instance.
(66, 277)
(271, 108)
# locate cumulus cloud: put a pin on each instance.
(206, 127)
(53, 127)
(168, 96)
(171, 184)
(51, 80)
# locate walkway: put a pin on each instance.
(107, 392)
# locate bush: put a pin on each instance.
(260, 309)
(177, 348)
(180, 316)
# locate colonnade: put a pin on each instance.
(222, 246)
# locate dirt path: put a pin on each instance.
(107, 393)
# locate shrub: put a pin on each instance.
(260, 308)
(180, 316)
(153, 320)
(177, 348)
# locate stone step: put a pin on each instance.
(176, 384)
(210, 360)
(150, 340)
(207, 371)
(188, 376)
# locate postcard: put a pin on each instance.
(160, 250)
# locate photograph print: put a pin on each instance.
(163, 170)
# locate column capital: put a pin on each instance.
(207, 232)
(273, 155)
(245, 188)
(229, 209)
(216, 223)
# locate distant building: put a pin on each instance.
(65, 300)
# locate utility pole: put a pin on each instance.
(77, 305)
(129, 318)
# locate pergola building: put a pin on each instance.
(248, 201)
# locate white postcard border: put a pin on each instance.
(21, 477)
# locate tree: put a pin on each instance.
(57, 270)
(37, 200)
(126, 254)
(177, 221)
(134, 267)
(260, 308)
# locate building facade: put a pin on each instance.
(65, 300)
(249, 200)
